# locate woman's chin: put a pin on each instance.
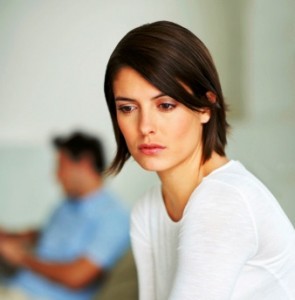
(152, 167)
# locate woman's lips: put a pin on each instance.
(150, 149)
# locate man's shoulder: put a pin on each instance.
(107, 204)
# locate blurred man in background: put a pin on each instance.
(84, 237)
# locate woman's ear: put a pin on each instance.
(211, 97)
(205, 113)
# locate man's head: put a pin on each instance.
(80, 163)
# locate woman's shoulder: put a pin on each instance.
(231, 186)
(146, 211)
(231, 170)
(219, 200)
(148, 201)
(233, 177)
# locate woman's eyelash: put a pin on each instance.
(129, 108)
(167, 106)
(126, 108)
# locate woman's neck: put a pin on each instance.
(179, 182)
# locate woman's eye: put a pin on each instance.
(167, 106)
(126, 108)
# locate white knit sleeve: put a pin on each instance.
(217, 237)
(142, 252)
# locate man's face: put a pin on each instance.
(68, 173)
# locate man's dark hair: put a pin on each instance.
(79, 144)
(171, 58)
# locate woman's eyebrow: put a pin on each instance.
(159, 95)
(120, 98)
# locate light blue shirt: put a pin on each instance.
(96, 227)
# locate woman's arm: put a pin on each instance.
(143, 256)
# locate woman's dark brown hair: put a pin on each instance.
(170, 57)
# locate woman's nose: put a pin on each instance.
(147, 123)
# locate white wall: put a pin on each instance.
(53, 55)
(265, 137)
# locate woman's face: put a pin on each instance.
(161, 133)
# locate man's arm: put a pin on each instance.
(28, 237)
(75, 274)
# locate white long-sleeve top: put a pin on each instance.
(233, 242)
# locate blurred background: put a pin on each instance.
(53, 55)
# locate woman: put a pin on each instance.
(211, 230)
